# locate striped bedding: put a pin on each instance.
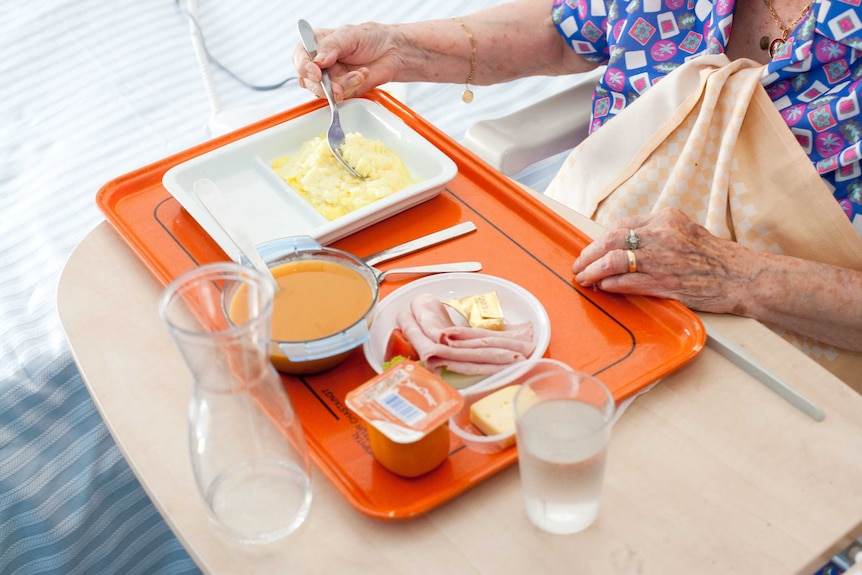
(89, 90)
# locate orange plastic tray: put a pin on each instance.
(629, 342)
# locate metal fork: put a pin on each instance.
(335, 136)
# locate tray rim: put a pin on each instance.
(469, 166)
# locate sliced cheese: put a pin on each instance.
(494, 414)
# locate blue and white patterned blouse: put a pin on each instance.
(813, 79)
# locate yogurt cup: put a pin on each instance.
(407, 409)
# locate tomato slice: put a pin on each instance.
(399, 345)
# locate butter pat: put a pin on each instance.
(481, 310)
(495, 413)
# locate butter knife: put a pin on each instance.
(420, 243)
(751, 365)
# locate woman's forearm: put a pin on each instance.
(512, 40)
(810, 298)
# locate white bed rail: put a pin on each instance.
(553, 125)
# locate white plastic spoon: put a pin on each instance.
(211, 198)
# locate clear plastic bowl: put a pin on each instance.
(317, 355)
(517, 374)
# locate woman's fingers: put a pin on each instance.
(615, 238)
(611, 263)
(356, 59)
(676, 258)
(308, 74)
(351, 84)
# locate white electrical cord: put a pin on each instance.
(203, 58)
(221, 120)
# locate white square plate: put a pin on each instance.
(268, 208)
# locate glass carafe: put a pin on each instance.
(247, 447)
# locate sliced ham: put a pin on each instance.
(466, 350)
(431, 314)
(517, 337)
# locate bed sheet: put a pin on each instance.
(89, 90)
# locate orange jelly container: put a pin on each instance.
(407, 408)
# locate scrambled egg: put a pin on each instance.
(329, 188)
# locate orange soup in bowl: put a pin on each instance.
(317, 298)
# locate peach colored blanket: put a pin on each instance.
(704, 140)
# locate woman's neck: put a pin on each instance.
(753, 21)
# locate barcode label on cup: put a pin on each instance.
(400, 407)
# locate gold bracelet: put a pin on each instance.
(467, 94)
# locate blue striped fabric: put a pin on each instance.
(89, 90)
(68, 501)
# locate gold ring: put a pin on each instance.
(633, 261)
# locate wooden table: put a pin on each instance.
(709, 472)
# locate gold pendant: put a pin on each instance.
(775, 46)
(467, 96)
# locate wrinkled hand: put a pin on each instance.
(677, 259)
(357, 58)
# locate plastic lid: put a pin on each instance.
(405, 402)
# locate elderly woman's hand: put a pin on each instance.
(677, 258)
(516, 39)
(357, 58)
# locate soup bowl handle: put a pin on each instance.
(282, 247)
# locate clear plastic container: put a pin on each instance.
(303, 255)
(472, 436)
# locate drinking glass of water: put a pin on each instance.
(563, 423)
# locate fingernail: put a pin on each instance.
(576, 266)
